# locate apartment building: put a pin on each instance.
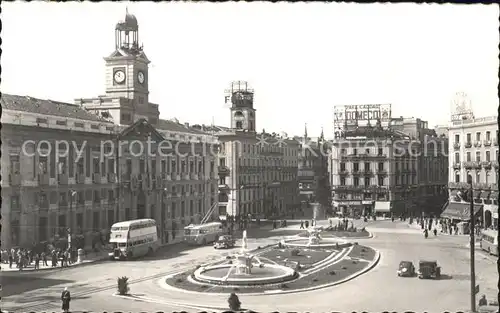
(474, 158)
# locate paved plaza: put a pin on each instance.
(380, 289)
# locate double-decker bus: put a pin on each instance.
(132, 239)
(202, 234)
(489, 242)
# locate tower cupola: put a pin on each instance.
(127, 34)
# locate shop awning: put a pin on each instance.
(485, 194)
(477, 193)
(382, 206)
(494, 195)
(460, 210)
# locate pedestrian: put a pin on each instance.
(37, 261)
(301, 224)
(483, 301)
(65, 298)
(44, 259)
(307, 224)
(435, 232)
(11, 260)
(54, 259)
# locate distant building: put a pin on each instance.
(87, 187)
(257, 171)
(397, 167)
(474, 158)
(313, 176)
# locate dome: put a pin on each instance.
(131, 21)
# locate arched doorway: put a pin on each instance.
(141, 205)
(487, 218)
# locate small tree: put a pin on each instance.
(234, 302)
(123, 288)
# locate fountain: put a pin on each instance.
(314, 240)
(244, 268)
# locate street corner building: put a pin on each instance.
(59, 177)
(473, 159)
(257, 170)
(313, 175)
(391, 166)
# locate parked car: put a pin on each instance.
(429, 269)
(224, 242)
(406, 269)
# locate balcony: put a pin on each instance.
(126, 177)
(111, 177)
(80, 178)
(468, 144)
(43, 179)
(477, 144)
(469, 165)
(62, 179)
(381, 171)
(343, 172)
(15, 179)
(193, 176)
(166, 176)
(224, 188)
(456, 145)
(96, 178)
(44, 204)
(487, 143)
(486, 164)
(457, 165)
(453, 185)
(356, 171)
(185, 176)
(223, 170)
(367, 171)
(494, 164)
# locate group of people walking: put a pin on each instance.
(22, 258)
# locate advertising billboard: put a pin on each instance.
(240, 99)
(362, 112)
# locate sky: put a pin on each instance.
(301, 59)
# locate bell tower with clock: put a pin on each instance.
(127, 69)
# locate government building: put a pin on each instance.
(78, 168)
(257, 170)
(388, 166)
(473, 159)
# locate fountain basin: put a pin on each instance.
(268, 274)
(323, 243)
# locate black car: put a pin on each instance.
(406, 269)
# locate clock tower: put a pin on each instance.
(127, 67)
(240, 97)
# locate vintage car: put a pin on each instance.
(224, 242)
(429, 269)
(406, 269)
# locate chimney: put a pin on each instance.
(186, 124)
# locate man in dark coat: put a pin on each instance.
(65, 298)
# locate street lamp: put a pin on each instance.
(472, 251)
(72, 193)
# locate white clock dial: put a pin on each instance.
(140, 77)
(119, 77)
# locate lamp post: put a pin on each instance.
(472, 252)
(72, 193)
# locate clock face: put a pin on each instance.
(119, 76)
(140, 77)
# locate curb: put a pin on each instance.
(370, 266)
(46, 269)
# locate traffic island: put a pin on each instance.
(352, 234)
(313, 269)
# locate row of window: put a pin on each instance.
(489, 177)
(468, 156)
(367, 181)
(258, 148)
(356, 167)
(478, 137)
(355, 151)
